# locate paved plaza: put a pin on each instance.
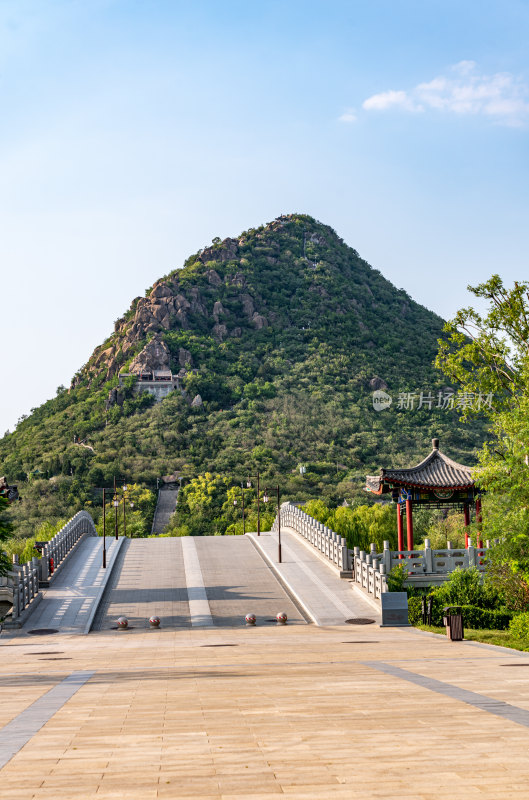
(205, 707)
(304, 711)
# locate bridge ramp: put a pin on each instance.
(225, 578)
(70, 601)
(240, 582)
(325, 597)
(148, 580)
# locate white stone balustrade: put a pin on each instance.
(23, 581)
(369, 570)
(327, 542)
(432, 567)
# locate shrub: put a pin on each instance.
(519, 626)
(396, 578)
(414, 610)
(465, 587)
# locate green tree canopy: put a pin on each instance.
(6, 532)
(489, 353)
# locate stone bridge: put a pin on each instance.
(196, 581)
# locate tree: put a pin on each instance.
(6, 532)
(489, 356)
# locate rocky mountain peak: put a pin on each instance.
(285, 274)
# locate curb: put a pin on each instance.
(108, 573)
(471, 643)
(294, 596)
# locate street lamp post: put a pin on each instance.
(125, 487)
(104, 531)
(131, 504)
(115, 503)
(249, 485)
(235, 505)
(278, 528)
(265, 500)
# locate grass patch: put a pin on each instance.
(431, 628)
(501, 638)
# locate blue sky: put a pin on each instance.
(133, 132)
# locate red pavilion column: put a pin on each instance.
(467, 522)
(478, 522)
(409, 524)
(400, 531)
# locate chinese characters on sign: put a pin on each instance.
(444, 400)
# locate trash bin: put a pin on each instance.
(453, 619)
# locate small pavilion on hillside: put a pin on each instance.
(437, 482)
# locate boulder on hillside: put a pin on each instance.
(218, 310)
(221, 251)
(184, 357)
(377, 383)
(197, 402)
(155, 355)
(259, 321)
(161, 290)
(247, 305)
(219, 331)
(213, 277)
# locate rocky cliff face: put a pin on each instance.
(169, 305)
(293, 273)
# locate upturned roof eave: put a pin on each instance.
(424, 485)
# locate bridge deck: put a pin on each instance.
(153, 577)
(326, 598)
(69, 602)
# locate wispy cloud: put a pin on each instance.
(464, 90)
(349, 115)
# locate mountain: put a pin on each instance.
(278, 339)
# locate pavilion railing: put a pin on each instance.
(369, 570)
(433, 562)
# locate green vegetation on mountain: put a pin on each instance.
(284, 333)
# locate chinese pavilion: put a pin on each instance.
(437, 482)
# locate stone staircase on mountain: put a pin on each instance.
(165, 508)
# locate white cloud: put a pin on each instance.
(464, 90)
(349, 115)
(379, 102)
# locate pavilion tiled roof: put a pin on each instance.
(436, 471)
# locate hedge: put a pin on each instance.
(473, 617)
